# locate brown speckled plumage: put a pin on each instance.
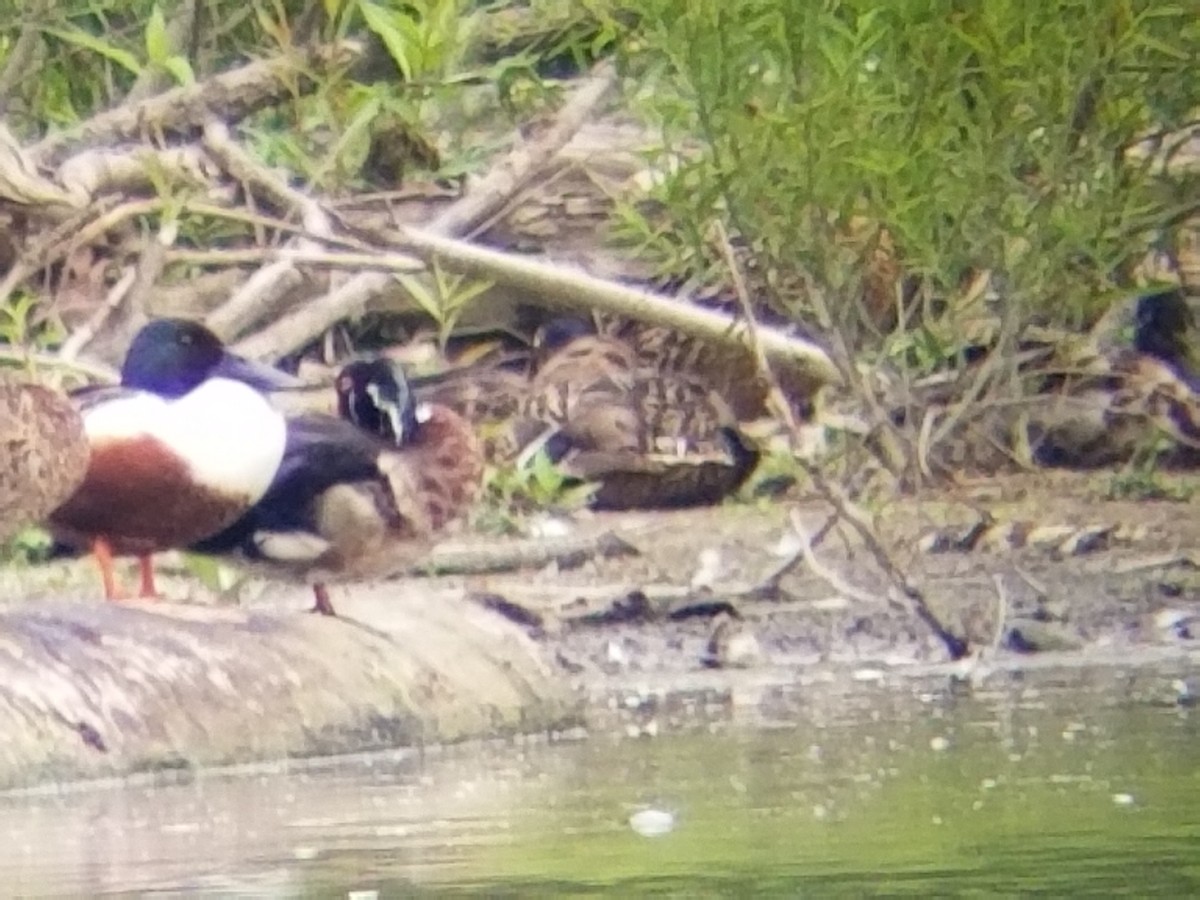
(650, 438)
(45, 453)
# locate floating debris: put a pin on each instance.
(652, 822)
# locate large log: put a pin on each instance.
(103, 689)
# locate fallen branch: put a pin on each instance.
(85, 333)
(297, 256)
(527, 554)
(291, 332)
(507, 179)
(575, 290)
(232, 95)
(260, 295)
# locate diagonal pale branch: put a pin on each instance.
(577, 290)
(507, 178)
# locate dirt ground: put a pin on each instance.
(1096, 578)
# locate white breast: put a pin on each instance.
(228, 434)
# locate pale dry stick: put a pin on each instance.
(576, 290)
(835, 581)
(506, 179)
(132, 170)
(379, 261)
(778, 399)
(145, 275)
(290, 332)
(22, 183)
(261, 293)
(1001, 611)
(281, 225)
(51, 248)
(770, 581)
(86, 333)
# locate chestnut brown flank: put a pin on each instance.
(142, 497)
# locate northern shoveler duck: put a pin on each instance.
(359, 494)
(45, 453)
(179, 450)
(647, 439)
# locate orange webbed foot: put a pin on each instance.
(147, 590)
(102, 550)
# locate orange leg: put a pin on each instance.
(102, 550)
(146, 566)
(324, 605)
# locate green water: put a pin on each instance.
(1079, 784)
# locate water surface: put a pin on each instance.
(1083, 782)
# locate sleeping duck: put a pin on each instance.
(45, 453)
(178, 451)
(647, 439)
(361, 494)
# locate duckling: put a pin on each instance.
(360, 494)
(178, 451)
(45, 453)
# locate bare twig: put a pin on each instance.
(57, 244)
(778, 399)
(506, 178)
(770, 581)
(260, 294)
(1001, 611)
(85, 333)
(514, 172)
(298, 256)
(835, 581)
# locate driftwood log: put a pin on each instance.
(92, 690)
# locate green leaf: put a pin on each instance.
(390, 27)
(81, 38)
(180, 69)
(158, 44)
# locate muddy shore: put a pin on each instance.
(215, 678)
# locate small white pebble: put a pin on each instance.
(550, 527)
(615, 654)
(938, 744)
(867, 675)
(1123, 799)
(652, 822)
(788, 546)
(362, 895)
(304, 853)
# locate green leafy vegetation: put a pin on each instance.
(511, 494)
(875, 158)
